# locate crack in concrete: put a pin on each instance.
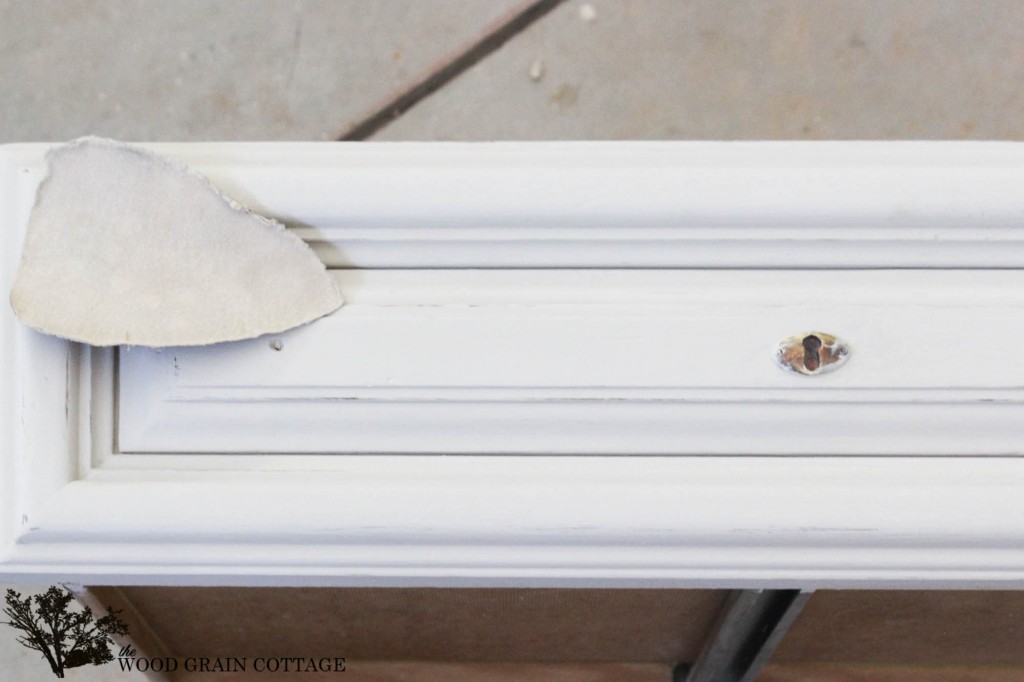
(503, 31)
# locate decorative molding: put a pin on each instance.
(628, 204)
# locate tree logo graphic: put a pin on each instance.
(67, 638)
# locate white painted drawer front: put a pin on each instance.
(604, 362)
(560, 305)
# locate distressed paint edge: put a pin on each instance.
(942, 231)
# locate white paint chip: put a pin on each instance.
(128, 247)
(537, 70)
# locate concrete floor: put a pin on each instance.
(746, 69)
(194, 70)
(608, 69)
(601, 69)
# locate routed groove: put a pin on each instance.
(437, 79)
(749, 628)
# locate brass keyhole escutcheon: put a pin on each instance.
(812, 353)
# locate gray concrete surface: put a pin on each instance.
(801, 69)
(228, 70)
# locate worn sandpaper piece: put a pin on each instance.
(128, 247)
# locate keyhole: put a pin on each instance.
(811, 358)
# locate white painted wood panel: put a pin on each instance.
(604, 359)
(603, 362)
